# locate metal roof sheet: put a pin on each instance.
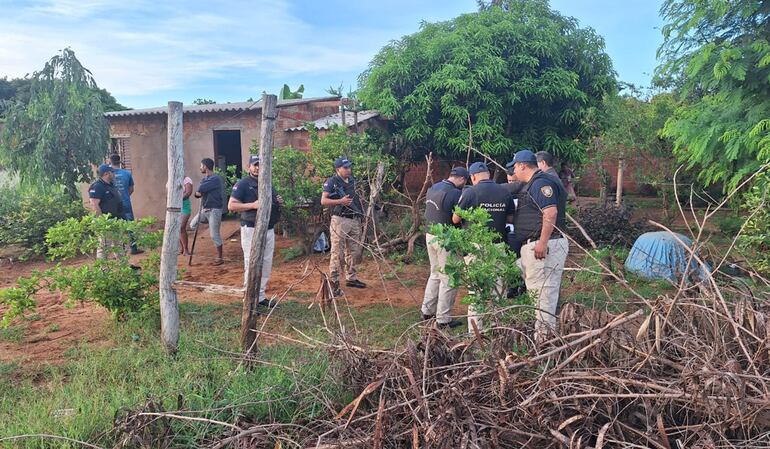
(223, 107)
(336, 119)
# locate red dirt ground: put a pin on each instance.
(56, 328)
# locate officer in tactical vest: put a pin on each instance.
(245, 199)
(339, 192)
(440, 200)
(498, 202)
(538, 224)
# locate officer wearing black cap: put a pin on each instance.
(498, 202)
(105, 198)
(488, 195)
(245, 199)
(539, 220)
(339, 192)
(440, 200)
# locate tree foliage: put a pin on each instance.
(717, 54)
(288, 94)
(521, 72)
(17, 90)
(61, 132)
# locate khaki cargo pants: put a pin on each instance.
(346, 247)
(439, 296)
(543, 277)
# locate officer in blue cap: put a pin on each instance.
(339, 193)
(538, 226)
(105, 198)
(440, 200)
(498, 202)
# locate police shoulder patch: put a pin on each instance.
(547, 191)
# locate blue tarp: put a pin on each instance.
(658, 255)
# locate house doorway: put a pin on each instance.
(227, 150)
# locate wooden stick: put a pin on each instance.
(195, 233)
(265, 190)
(169, 306)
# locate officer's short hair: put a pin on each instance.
(208, 162)
(115, 159)
(545, 157)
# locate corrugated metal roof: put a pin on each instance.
(336, 119)
(224, 107)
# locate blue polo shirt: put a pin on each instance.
(122, 181)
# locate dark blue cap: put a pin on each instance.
(342, 162)
(524, 156)
(104, 168)
(478, 167)
(459, 171)
(254, 159)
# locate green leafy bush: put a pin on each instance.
(110, 282)
(491, 260)
(754, 242)
(26, 214)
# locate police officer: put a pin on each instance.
(545, 163)
(245, 199)
(105, 198)
(440, 200)
(498, 202)
(339, 192)
(537, 226)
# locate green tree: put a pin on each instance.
(717, 55)
(18, 90)
(61, 132)
(522, 73)
(632, 123)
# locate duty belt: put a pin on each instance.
(555, 236)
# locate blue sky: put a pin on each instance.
(149, 52)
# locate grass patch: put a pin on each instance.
(12, 334)
(80, 398)
(291, 253)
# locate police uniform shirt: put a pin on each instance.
(440, 200)
(212, 188)
(542, 192)
(246, 190)
(108, 196)
(492, 197)
(337, 189)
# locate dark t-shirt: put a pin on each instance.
(246, 190)
(337, 189)
(212, 188)
(440, 200)
(109, 198)
(492, 197)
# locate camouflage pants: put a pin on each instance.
(346, 247)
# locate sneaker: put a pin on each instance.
(138, 251)
(355, 283)
(218, 262)
(428, 317)
(450, 325)
(267, 303)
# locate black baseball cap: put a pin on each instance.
(524, 156)
(459, 171)
(342, 162)
(104, 168)
(478, 167)
(254, 159)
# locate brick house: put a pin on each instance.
(223, 132)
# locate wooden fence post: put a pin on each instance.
(249, 312)
(169, 307)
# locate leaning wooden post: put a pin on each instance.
(251, 297)
(169, 307)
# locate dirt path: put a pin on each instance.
(54, 328)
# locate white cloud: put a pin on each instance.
(138, 48)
